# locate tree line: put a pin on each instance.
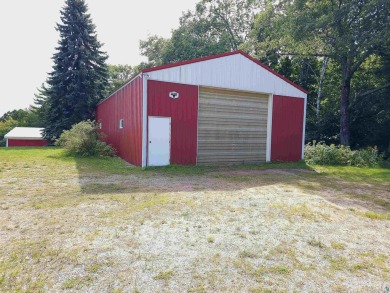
(338, 50)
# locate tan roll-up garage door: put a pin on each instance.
(232, 127)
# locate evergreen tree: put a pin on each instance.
(79, 77)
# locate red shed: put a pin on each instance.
(25, 137)
(222, 109)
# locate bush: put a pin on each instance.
(322, 154)
(84, 139)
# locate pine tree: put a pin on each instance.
(79, 77)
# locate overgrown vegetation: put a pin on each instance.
(84, 139)
(323, 154)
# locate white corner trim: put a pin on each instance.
(6, 143)
(144, 118)
(269, 127)
(197, 128)
(304, 128)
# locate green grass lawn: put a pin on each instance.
(99, 224)
(53, 155)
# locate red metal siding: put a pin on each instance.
(126, 104)
(184, 117)
(287, 128)
(26, 143)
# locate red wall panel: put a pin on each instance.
(26, 143)
(287, 128)
(184, 117)
(126, 104)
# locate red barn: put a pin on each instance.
(25, 137)
(221, 109)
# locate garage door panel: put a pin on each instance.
(236, 117)
(233, 159)
(227, 128)
(232, 148)
(221, 102)
(232, 127)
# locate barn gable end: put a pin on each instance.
(221, 109)
(236, 71)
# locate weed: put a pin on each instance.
(316, 243)
(260, 289)
(338, 263)
(281, 251)
(92, 236)
(198, 288)
(376, 216)
(210, 239)
(295, 211)
(244, 265)
(93, 268)
(276, 270)
(359, 267)
(166, 275)
(339, 288)
(248, 254)
(337, 245)
(76, 282)
(116, 290)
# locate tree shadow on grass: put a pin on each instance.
(100, 176)
(187, 178)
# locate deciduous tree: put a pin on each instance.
(119, 75)
(348, 32)
(215, 26)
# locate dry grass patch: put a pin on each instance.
(72, 224)
(294, 212)
(77, 282)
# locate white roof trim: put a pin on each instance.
(28, 133)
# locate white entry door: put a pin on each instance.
(159, 144)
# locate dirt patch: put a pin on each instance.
(291, 172)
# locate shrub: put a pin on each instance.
(322, 154)
(84, 139)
